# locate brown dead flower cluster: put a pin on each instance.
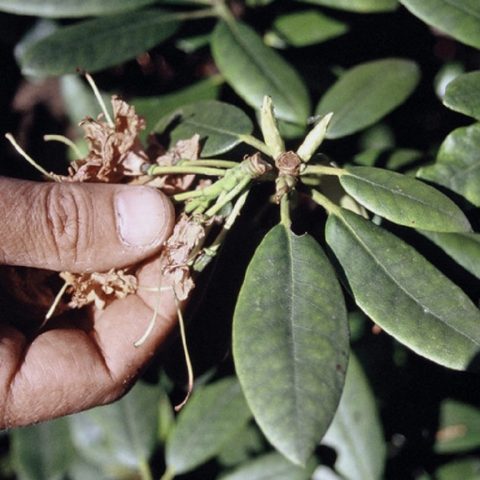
(116, 155)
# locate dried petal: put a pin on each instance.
(98, 288)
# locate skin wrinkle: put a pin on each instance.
(79, 360)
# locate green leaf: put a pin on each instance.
(271, 466)
(458, 18)
(120, 437)
(96, 44)
(154, 108)
(458, 164)
(246, 443)
(308, 27)
(42, 452)
(360, 6)
(70, 8)
(366, 93)
(221, 125)
(404, 293)
(464, 469)
(80, 101)
(463, 94)
(403, 200)
(356, 432)
(212, 416)
(290, 341)
(464, 248)
(255, 70)
(458, 428)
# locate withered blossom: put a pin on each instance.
(113, 150)
(98, 288)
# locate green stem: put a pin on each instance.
(255, 143)
(184, 169)
(28, 158)
(145, 472)
(196, 14)
(66, 141)
(209, 162)
(228, 197)
(210, 252)
(168, 475)
(285, 211)
(323, 201)
(322, 170)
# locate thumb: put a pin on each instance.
(80, 227)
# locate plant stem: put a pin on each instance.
(255, 143)
(168, 475)
(196, 14)
(100, 101)
(184, 169)
(66, 141)
(322, 170)
(28, 158)
(210, 252)
(323, 201)
(229, 196)
(144, 470)
(209, 162)
(186, 354)
(285, 211)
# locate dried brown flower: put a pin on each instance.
(98, 288)
(114, 151)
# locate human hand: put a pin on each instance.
(81, 359)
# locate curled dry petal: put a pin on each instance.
(98, 288)
(114, 151)
(177, 253)
(183, 150)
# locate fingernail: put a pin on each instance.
(143, 216)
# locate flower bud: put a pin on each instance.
(269, 127)
(314, 139)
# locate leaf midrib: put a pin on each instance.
(401, 194)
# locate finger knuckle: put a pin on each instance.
(67, 221)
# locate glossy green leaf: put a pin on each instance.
(392, 159)
(119, 438)
(458, 164)
(458, 18)
(42, 452)
(356, 432)
(271, 466)
(404, 293)
(152, 109)
(366, 93)
(458, 427)
(360, 6)
(94, 45)
(70, 8)
(308, 27)
(464, 248)
(463, 94)
(290, 341)
(212, 416)
(255, 70)
(219, 124)
(403, 200)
